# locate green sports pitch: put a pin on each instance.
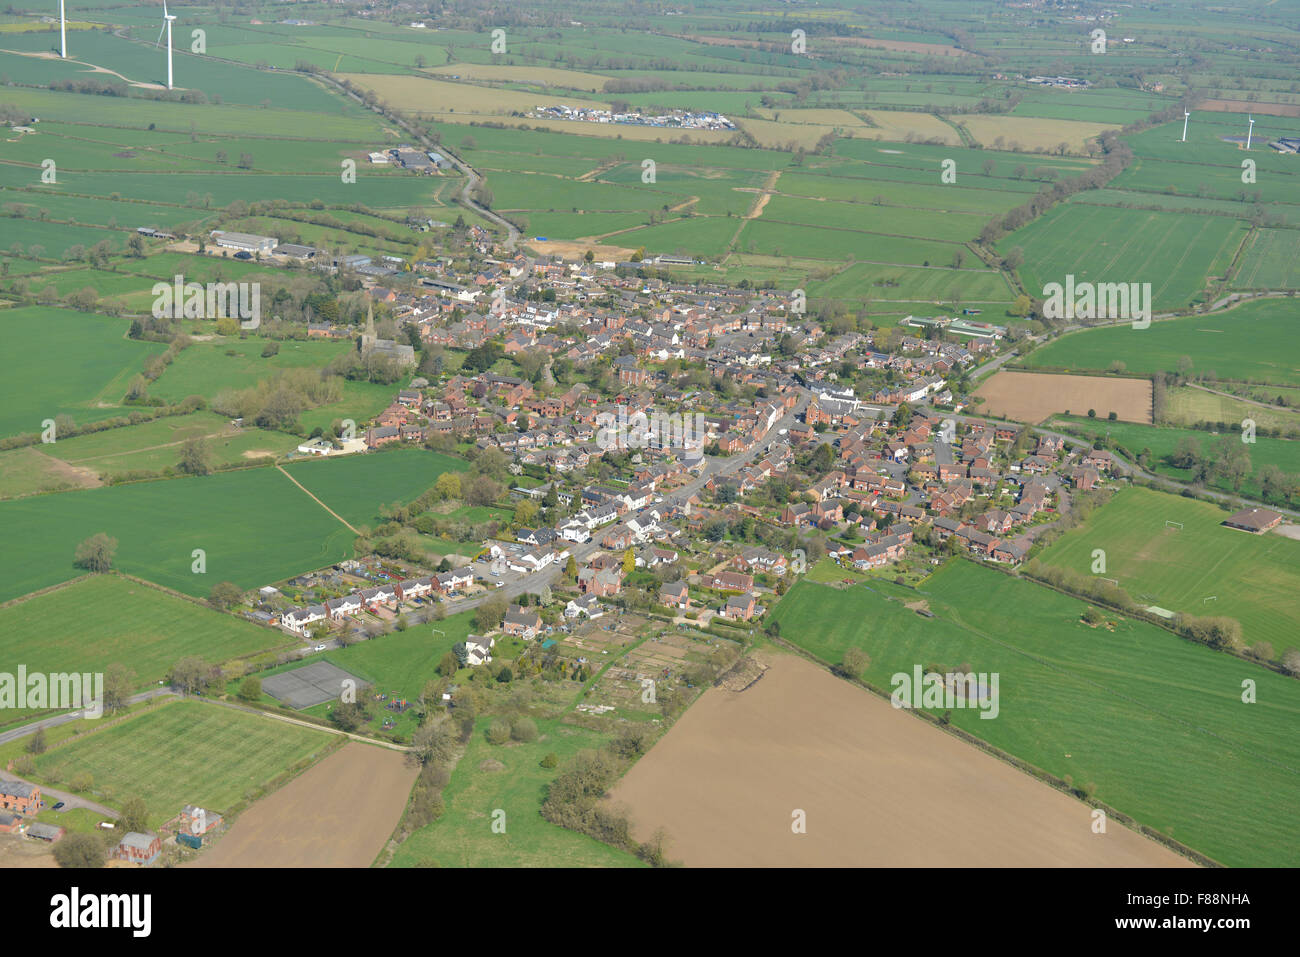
(1200, 568)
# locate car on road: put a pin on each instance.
(320, 647)
(498, 584)
(57, 806)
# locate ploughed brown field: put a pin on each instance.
(879, 787)
(339, 813)
(1033, 396)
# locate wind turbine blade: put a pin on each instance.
(164, 9)
(158, 42)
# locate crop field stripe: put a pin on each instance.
(281, 470)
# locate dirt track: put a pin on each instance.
(337, 814)
(879, 788)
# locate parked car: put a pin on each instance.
(320, 647)
(499, 584)
(57, 806)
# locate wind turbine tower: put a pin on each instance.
(1250, 131)
(167, 25)
(1185, 116)
(63, 33)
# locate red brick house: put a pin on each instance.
(20, 797)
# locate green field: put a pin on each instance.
(209, 368)
(463, 836)
(85, 377)
(1162, 441)
(1270, 261)
(354, 486)
(188, 752)
(1154, 722)
(1176, 254)
(1256, 577)
(255, 526)
(107, 620)
(1254, 341)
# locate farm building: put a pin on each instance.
(20, 797)
(137, 848)
(45, 832)
(1257, 520)
(9, 822)
(244, 242)
(196, 820)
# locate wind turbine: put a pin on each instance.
(1250, 131)
(1185, 116)
(63, 33)
(167, 25)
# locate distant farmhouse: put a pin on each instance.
(244, 242)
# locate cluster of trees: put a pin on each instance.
(277, 401)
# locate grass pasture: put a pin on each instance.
(1176, 254)
(463, 836)
(107, 619)
(1154, 722)
(1252, 341)
(188, 752)
(1163, 439)
(1256, 577)
(85, 377)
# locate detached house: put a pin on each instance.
(522, 622)
(675, 595)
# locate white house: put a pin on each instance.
(347, 605)
(585, 606)
(479, 649)
(300, 619)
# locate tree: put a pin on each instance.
(1291, 661)
(629, 562)
(250, 689)
(523, 729)
(903, 415)
(135, 815)
(80, 850)
(349, 715)
(190, 674)
(37, 743)
(448, 485)
(448, 665)
(571, 569)
(96, 553)
(551, 760)
(1093, 616)
(225, 595)
(823, 459)
(489, 614)
(498, 731)
(483, 490)
(119, 681)
(855, 662)
(195, 457)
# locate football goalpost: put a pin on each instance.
(1113, 581)
(1177, 525)
(1211, 598)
